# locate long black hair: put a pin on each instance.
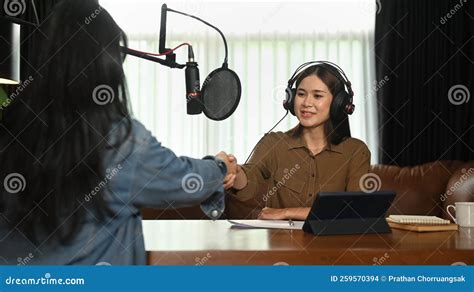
(336, 129)
(53, 132)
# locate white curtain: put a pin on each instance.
(267, 41)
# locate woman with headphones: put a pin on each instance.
(317, 155)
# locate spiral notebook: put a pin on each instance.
(416, 219)
(420, 223)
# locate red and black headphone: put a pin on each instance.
(341, 105)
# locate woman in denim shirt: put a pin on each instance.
(76, 166)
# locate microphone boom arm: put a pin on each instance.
(153, 59)
(206, 23)
(169, 61)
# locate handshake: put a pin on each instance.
(235, 177)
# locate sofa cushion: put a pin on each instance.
(419, 188)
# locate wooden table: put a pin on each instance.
(205, 242)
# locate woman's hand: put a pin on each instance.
(272, 214)
(240, 179)
(236, 177)
(231, 163)
(229, 181)
(284, 214)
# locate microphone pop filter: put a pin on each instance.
(221, 94)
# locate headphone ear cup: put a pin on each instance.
(289, 103)
(339, 105)
(292, 101)
(286, 102)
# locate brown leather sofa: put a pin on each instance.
(421, 190)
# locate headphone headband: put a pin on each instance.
(332, 67)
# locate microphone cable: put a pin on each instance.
(208, 24)
(162, 54)
(251, 152)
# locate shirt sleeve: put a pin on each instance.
(358, 167)
(163, 180)
(259, 168)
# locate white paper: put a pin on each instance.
(268, 224)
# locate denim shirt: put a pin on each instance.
(142, 173)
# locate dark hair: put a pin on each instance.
(53, 134)
(336, 130)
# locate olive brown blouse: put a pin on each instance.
(295, 176)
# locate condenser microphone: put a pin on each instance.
(220, 93)
(193, 93)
